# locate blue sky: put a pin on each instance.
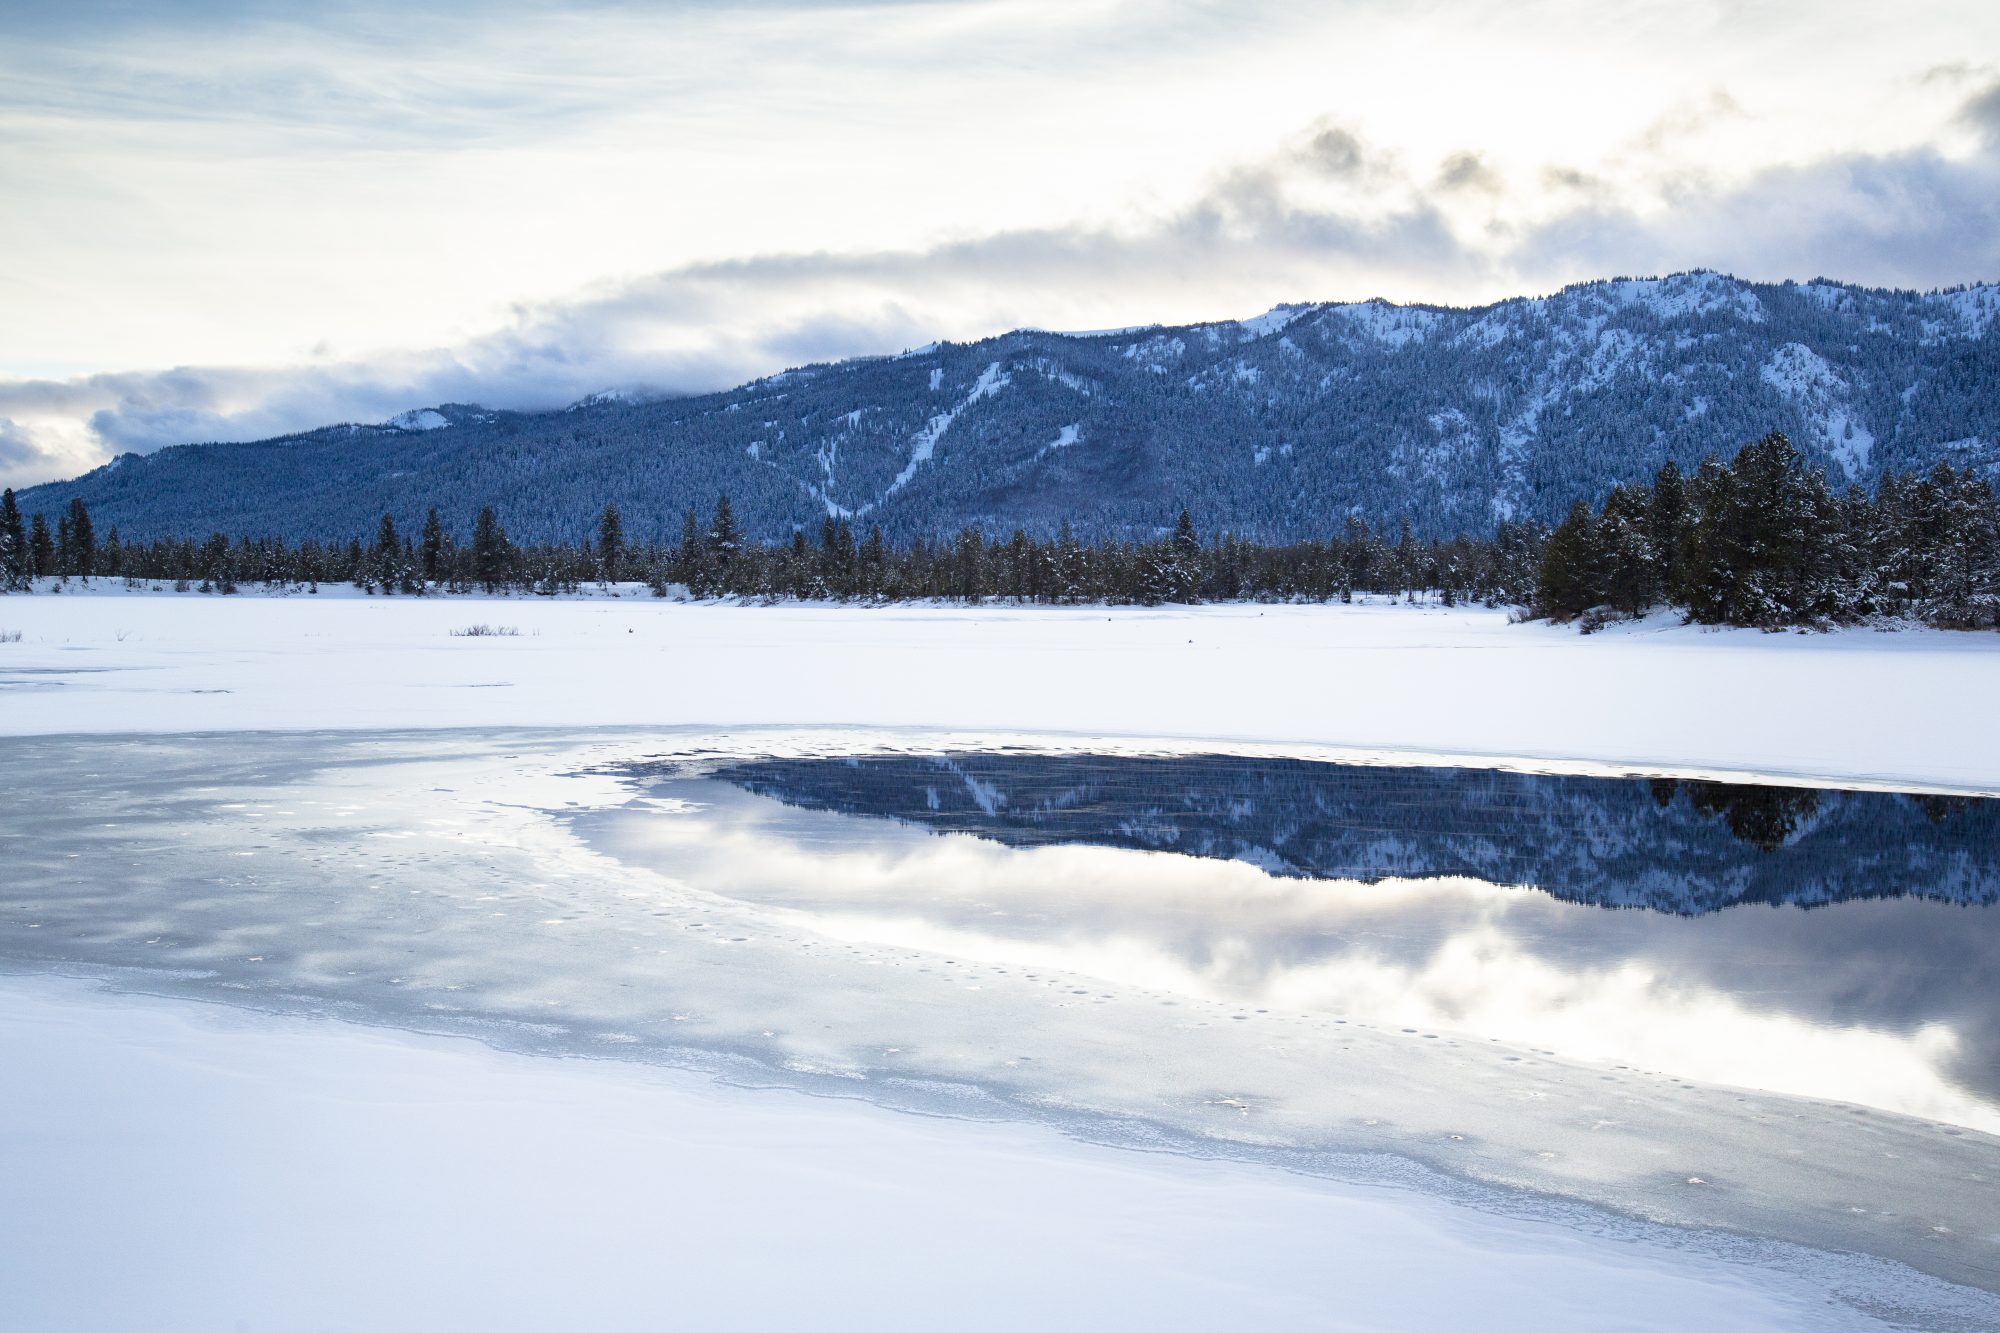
(230, 220)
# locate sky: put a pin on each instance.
(229, 219)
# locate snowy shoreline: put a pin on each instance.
(1454, 685)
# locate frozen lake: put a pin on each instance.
(1744, 1024)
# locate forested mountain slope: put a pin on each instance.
(1279, 426)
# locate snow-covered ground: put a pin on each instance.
(1909, 707)
(188, 1167)
(173, 1165)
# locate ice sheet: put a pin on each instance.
(438, 882)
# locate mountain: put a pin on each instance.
(1680, 847)
(1279, 426)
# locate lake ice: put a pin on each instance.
(1354, 992)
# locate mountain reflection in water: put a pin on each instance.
(1685, 847)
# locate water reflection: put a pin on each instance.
(1672, 846)
(1888, 999)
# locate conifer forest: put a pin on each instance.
(1759, 540)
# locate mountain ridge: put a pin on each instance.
(1279, 426)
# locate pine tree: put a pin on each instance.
(433, 547)
(1182, 580)
(1666, 524)
(610, 544)
(1763, 542)
(725, 539)
(492, 556)
(41, 548)
(1965, 591)
(386, 559)
(15, 558)
(1628, 570)
(691, 561)
(873, 559)
(1569, 583)
(82, 540)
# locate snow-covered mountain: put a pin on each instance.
(1280, 426)
(1684, 848)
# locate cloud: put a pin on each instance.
(1914, 219)
(1469, 171)
(1982, 112)
(18, 450)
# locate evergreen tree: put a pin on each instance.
(82, 540)
(15, 559)
(492, 556)
(1569, 584)
(433, 547)
(1182, 570)
(1666, 524)
(725, 539)
(1761, 542)
(1628, 569)
(1965, 589)
(610, 544)
(385, 564)
(692, 565)
(41, 548)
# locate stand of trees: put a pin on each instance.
(714, 559)
(1758, 541)
(1762, 541)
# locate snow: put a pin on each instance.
(1683, 294)
(191, 1167)
(1154, 353)
(991, 381)
(1844, 706)
(427, 418)
(1054, 371)
(1970, 312)
(1272, 320)
(509, 884)
(1806, 380)
(1065, 437)
(606, 398)
(1389, 325)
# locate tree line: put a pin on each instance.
(1763, 541)
(1760, 540)
(714, 558)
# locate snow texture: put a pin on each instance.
(1851, 705)
(426, 418)
(264, 1165)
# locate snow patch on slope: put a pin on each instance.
(1065, 437)
(1685, 294)
(1968, 313)
(419, 418)
(1271, 321)
(1154, 353)
(1390, 325)
(1806, 380)
(991, 381)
